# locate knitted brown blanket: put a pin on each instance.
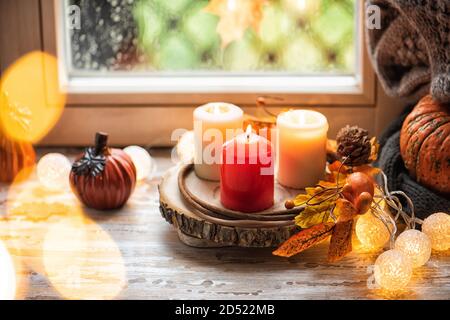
(411, 51)
(411, 56)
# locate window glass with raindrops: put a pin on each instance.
(302, 37)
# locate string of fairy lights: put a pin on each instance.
(411, 249)
(393, 268)
(53, 169)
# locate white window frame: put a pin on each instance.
(151, 90)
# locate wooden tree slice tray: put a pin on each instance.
(193, 206)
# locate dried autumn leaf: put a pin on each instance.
(317, 209)
(337, 171)
(331, 146)
(320, 200)
(335, 166)
(375, 147)
(301, 199)
(368, 170)
(341, 238)
(345, 210)
(304, 240)
(310, 217)
(332, 150)
(235, 17)
(341, 241)
(311, 191)
(334, 177)
(323, 196)
(327, 184)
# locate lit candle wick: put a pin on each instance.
(248, 131)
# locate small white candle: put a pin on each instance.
(301, 148)
(214, 124)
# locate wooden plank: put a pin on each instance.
(154, 126)
(159, 266)
(20, 30)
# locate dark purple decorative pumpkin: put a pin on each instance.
(103, 178)
(425, 144)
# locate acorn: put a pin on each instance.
(359, 190)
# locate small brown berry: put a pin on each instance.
(289, 204)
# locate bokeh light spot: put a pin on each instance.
(7, 275)
(31, 101)
(85, 265)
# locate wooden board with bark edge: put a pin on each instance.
(197, 230)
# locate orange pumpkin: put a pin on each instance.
(425, 144)
(15, 156)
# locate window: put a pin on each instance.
(157, 50)
(178, 36)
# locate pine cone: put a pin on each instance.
(354, 144)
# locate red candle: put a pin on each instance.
(246, 173)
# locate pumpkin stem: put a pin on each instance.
(101, 140)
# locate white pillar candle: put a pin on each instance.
(214, 124)
(301, 148)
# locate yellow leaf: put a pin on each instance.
(368, 170)
(311, 191)
(313, 215)
(235, 17)
(324, 196)
(375, 147)
(301, 199)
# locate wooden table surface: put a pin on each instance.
(61, 250)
